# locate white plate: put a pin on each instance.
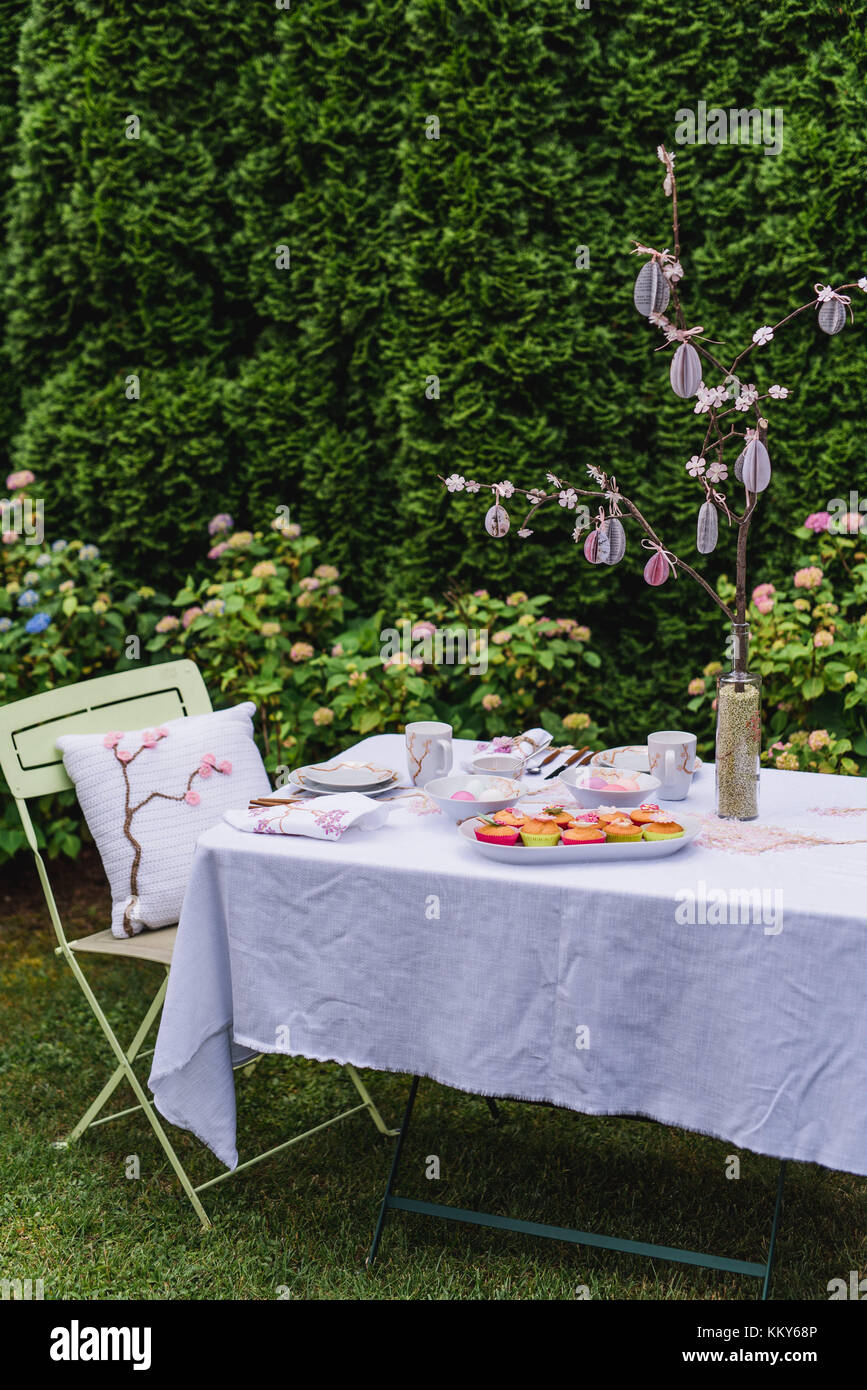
(583, 854)
(297, 783)
(633, 756)
(346, 775)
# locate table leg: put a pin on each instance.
(386, 1201)
(773, 1244)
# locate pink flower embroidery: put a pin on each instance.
(149, 739)
(111, 740)
(161, 732)
(192, 798)
(205, 769)
(210, 759)
(225, 767)
(124, 755)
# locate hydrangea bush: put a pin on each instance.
(809, 641)
(64, 617)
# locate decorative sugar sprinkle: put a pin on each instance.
(733, 838)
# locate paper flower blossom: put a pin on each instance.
(696, 466)
(779, 393)
(763, 335)
(455, 483)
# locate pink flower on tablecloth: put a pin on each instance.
(209, 758)
(225, 767)
(111, 740)
(149, 739)
(124, 755)
(192, 798)
(205, 769)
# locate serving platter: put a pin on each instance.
(582, 854)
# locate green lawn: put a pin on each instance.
(304, 1219)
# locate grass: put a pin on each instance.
(299, 1225)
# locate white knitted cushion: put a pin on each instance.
(147, 797)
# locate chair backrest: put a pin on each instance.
(134, 699)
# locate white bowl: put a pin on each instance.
(488, 794)
(610, 793)
(497, 764)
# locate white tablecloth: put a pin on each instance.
(402, 949)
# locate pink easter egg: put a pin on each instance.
(461, 796)
(656, 569)
(597, 783)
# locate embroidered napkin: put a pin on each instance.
(321, 818)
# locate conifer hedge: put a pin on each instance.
(412, 257)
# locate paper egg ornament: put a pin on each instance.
(739, 467)
(497, 521)
(591, 548)
(656, 569)
(685, 371)
(652, 291)
(707, 530)
(616, 541)
(757, 467)
(832, 316)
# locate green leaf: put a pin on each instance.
(812, 688)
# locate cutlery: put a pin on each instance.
(580, 756)
(549, 755)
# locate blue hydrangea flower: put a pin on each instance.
(28, 599)
(38, 623)
(58, 546)
(89, 552)
(43, 560)
(5, 624)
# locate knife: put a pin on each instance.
(574, 758)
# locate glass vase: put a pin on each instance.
(738, 733)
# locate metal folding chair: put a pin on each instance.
(391, 1202)
(33, 767)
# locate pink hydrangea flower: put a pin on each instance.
(764, 605)
(810, 577)
(818, 521)
(216, 550)
(190, 615)
(763, 591)
(23, 478)
(111, 740)
(823, 638)
(225, 767)
(696, 687)
(192, 798)
(10, 537)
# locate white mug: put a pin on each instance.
(671, 754)
(428, 751)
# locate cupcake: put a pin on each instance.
(509, 817)
(557, 814)
(538, 833)
(585, 818)
(492, 834)
(609, 813)
(663, 830)
(583, 835)
(644, 814)
(622, 832)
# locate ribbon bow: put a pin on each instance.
(657, 545)
(825, 293)
(663, 257)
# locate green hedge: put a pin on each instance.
(412, 257)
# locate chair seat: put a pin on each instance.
(148, 945)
